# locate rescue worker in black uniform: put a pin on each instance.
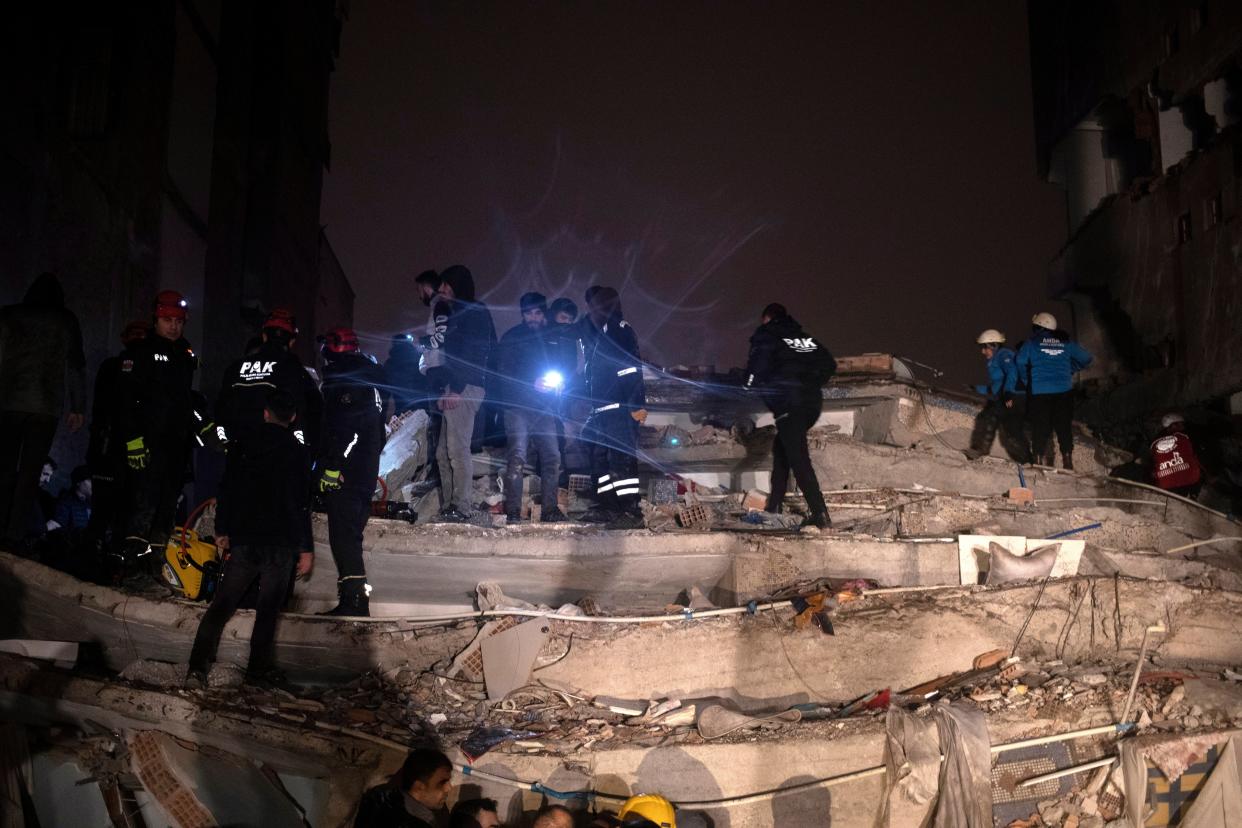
(105, 453)
(789, 367)
(156, 419)
(354, 392)
(249, 381)
(614, 384)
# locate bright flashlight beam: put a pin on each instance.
(553, 380)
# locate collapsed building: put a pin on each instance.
(1064, 640)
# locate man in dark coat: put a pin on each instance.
(413, 798)
(789, 367)
(42, 368)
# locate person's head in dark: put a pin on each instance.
(426, 776)
(170, 313)
(475, 813)
(534, 309)
(458, 283)
(401, 343)
(280, 328)
(280, 408)
(603, 303)
(337, 342)
(563, 311)
(135, 331)
(774, 312)
(45, 292)
(427, 284)
(49, 469)
(80, 483)
(554, 816)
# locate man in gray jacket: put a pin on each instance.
(41, 363)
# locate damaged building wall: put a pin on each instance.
(1136, 111)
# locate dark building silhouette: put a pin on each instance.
(172, 143)
(1137, 111)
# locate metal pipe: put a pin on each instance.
(1048, 777)
(1069, 532)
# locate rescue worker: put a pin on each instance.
(553, 816)
(1047, 362)
(263, 525)
(413, 798)
(1004, 408)
(465, 334)
(789, 367)
(647, 809)
(430, 356)
(563, 311)
(535, 363)
(408, 385)
(273, 366)
(105, 453)
(156, 420)
(42, 377)
(353, 437)
(613, 375)
(1175, 466)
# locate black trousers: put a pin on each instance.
(153, 492)
(348, 511)
(790, 453)
(1051, 413)
(611, 438)
(25, 440)
(1010, 422)
(271, 567)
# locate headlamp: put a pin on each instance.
(552, 381)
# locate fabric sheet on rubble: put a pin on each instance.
(922, 790)
(1213, 802)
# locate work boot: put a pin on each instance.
(554, 515)
(972, 454)
(598, 514)
(195, 679)
(513, 518)
(627, 520)
(353, 599)
(1067, 461)
(819, 520)
(451, 514)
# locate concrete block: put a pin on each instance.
(1021, 495)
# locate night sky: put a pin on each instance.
(870, 165)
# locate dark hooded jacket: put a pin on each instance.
(613, 370)
(465, 328)
(41, 359)
(155, 397)
(249, 381)
(526, 355)
(265, 496)
(787, 365)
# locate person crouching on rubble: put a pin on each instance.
(1004, 408)
(263, 524)
(1047, 362)
(789, 367)
(413, 798)
(614, 383)
(1174, 465)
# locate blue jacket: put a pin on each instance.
(1047, 362)
(1002, 376)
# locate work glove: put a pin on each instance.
(137, 455)
(212, 436)
(329, 481)
(639, 415)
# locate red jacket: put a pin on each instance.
(1173, 461)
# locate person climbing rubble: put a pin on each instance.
(535, 362)
(1047, 362)
(413, 798)
(1175, 466)
(788, 367)
(354, 399)
(614, 384)
(263, 524)
(1005, 407)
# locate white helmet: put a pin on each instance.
(1045, 320)
(1171, 418)
(991, 337)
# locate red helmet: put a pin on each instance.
(282, 319)
(340, 340)
(169, 304)
(134, 331)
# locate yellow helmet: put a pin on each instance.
(649, 806)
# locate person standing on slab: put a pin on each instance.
(789, 367)
(1047, 362)
(1004, 408)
